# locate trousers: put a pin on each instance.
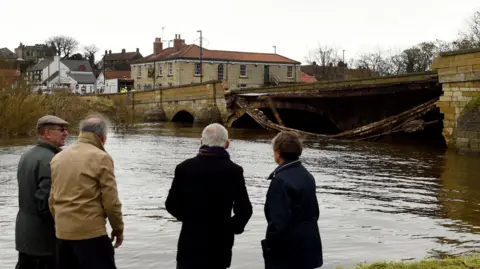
(26, 261)
(95, 253)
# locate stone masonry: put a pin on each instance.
(459, 74)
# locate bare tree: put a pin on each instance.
(324, 60)
(89, 52)
(375, 62)
(63, 46)
(470, 38)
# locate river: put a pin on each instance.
(377, 201)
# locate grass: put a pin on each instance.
(474, 104)
(461, 262)
(20, 109)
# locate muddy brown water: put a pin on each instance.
(377, 201)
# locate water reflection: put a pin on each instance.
(378, 201)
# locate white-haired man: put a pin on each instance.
(204, 191)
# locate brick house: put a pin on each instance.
(118, 61)
(339, 72)
(180, 65)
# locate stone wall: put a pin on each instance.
(205, 102)
(459, 74)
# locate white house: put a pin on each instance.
(113, 81)
(77, 75)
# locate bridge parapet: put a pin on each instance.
(459, 74)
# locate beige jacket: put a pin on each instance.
(84, 191)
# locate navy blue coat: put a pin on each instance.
(291, 209)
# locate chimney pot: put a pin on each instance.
(110, 52)
(123, 50)
(106, 52)
(138, 50)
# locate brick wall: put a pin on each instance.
(459, 74)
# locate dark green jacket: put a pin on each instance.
(34, 228)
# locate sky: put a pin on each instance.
(295, 27)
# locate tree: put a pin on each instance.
(375, 62)
(89, 52)
(471, 38)
(63, 46)
(325, 59)
(76, 56)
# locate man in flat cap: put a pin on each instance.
(34, 228)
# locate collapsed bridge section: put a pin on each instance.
(353, 110)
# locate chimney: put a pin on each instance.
(123, 50)
(110, 52)
(157, 45)
(138, 50)
(106, 52)
(178, 42)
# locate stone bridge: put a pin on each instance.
(334, 106)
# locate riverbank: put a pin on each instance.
(461, 262)
(19, 111)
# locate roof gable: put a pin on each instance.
(78, 65)
(40, 66)
(7, 54)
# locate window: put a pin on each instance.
(170, 69)
(243, 70)
(198, 69)
(220, 72)
(160, 70)
(289, 71)
(139, 71)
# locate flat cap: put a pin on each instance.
(50, 120)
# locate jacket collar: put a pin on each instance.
(90, 138)
(46, 144)
(218, 152)
(284, 166)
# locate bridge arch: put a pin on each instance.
(183, 114)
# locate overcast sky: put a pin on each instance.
(294, 27)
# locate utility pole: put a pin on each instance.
(163, 28)
(274, 49)
(201, 56)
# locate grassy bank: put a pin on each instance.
(463, 262)
(19, 110)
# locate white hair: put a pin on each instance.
(214, 135)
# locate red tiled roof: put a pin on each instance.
(193, 52)
(117, 74)
(307, 78)
(121, 56)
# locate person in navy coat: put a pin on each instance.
(292, 238)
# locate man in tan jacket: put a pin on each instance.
(84, 193)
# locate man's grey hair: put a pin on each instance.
(214, 135)
(96, 124)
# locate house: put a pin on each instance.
(338, 72)
(113, 81)
(118, 61)
(35, 75)
(181, 64)
(9, 69)
(77, 75)
(35, 53)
